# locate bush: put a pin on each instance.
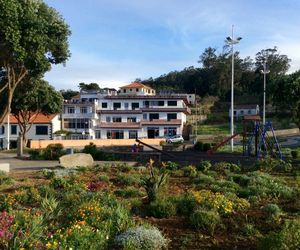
(295, 154)
(125, 168)
(161, 208)
(129, 192)
(90, 149)
(203, 179)
(5, 179)
(126, 179)
(141, 238)
(272, 211)
(104, 178)
(287, 238)
(205, 220)
(206, 147)
(190, 171)
(198, 146)
(249, 230)
(223, 166)
(53, 151)
(204, 166)
(173, 166)
(186, 204)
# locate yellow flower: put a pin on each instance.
(48, 245)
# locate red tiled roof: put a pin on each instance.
(135, 85)
(40, 118)
(251, 118)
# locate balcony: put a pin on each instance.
(119, 125)
(161, 122)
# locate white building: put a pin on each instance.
(136, 112)
(241, 110)
(42, 128)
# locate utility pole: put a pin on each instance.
(264, 72)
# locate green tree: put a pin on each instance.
(37, 98)
(286, 94)
(32, 37)
(88, 86)
(68, 94)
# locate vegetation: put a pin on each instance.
(109, 207)
(28, 53)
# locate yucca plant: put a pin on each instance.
(154, 181)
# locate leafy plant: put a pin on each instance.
(129, 192)
(153, 182)
(189, 171)
(272, 211)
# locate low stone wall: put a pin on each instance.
(283, 132)
(36, 144)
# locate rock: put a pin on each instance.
(76, 160)
(4, 167)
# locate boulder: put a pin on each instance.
(76, 160)
(4, 167)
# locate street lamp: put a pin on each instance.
(265, 71)
(231, 41)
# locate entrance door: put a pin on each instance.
(151, 133)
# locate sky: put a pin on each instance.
(113, 42)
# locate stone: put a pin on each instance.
(76, 160)
(4, 167)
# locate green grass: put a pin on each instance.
(217, 129)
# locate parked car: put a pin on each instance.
(175, 139)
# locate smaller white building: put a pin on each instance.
(247, 109)
(138, 89)
(42, 128)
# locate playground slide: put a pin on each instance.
(221, 144)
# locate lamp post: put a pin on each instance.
(265, 72)
(231, 41)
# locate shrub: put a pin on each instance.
(205, 220)
(141, 238)
(126, 179)
(189, 171)
(96, 185)
(129, 192)
(104, 178)
(53, 151)
(272, 211)
(204, 166)
(295, 154)
(125, 168)
(161, 208)
(90, 149)
(203, 179)
(186, 204)
(173, 166)
(249, 230)
(223, 166)
(287, 238)
(206, 147)
(198, 146)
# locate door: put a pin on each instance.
(151, 133)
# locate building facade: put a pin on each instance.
(241, 110)
(136, 112)
(42, 128)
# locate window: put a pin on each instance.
(98, 134)
(131, 119)
(170, 131)
(153, 116)
(117, 119)
(249, 111)
(126, 105)
(71, 110)
(171, 116)
(135, 105)
(117, 105)
(83, 110)
(146, 103)
(172, 103)
(76, 123)
(108, 119)
(104, 105)
(13, 129)
(130, 90)
(137, 90)
(115, 134)
(242, 112)
(124, 90)
(145, 116)
(2, 130)
(133, 134)
(161, 103)
(41, 130)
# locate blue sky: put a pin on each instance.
(116, 41)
